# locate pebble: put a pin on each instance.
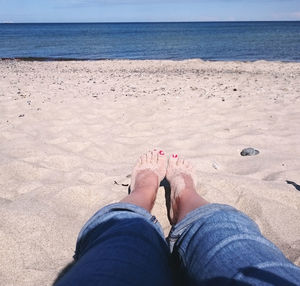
(249, 152)
(215, 165)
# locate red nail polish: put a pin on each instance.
(161, 152)
(174, 155)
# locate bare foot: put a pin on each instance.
(145, 179)
(184, 197)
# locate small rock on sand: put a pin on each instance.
(249, 152)
(215, 165)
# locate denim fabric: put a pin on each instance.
(218, 245)
(123, 244)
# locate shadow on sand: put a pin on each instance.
(297, 187)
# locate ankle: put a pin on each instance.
(185, 202)
(183, 193)
(143, 198)
(146, 180)
(148, 192)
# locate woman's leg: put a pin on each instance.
(123, 244)
(215, 244)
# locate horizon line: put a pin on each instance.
(135, 22)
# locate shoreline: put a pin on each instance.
(65, 59)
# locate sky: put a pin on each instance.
(147, 10)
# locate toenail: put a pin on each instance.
(161, 152)
(174, 155)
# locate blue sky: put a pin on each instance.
(147, 10)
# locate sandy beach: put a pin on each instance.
(71, 131)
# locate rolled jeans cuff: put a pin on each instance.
(198, 215)
(119, 211)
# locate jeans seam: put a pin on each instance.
(260, 266)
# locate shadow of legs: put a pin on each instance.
(164, 183)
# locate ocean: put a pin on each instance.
(225, 41)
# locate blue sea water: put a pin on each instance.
(244, 41)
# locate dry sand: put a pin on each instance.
(69, 131)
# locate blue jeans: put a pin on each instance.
(123, 244)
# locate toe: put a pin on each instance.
(149, 157)
(162, 164)
(180, 162)
(143, 158)
(155, 156)
(173, 160)
(139, 161)
(161, 156)
(187, 164)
